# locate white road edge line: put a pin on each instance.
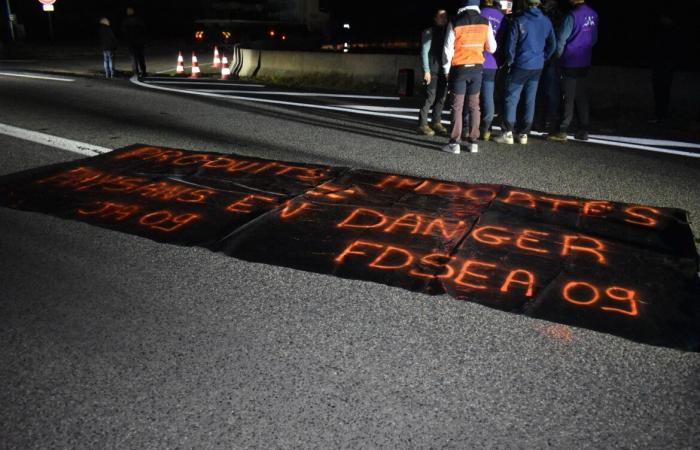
(53, 141)
(298, 94)
(265, 100)
(38, 77)
(395, 116)
(206, 83)
(647, 141)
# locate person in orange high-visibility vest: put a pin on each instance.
(469, 35)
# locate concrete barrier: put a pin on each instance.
(612, 88)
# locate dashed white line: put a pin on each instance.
(53, 141)
(38, 77)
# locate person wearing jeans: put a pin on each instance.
(530, 42)
(468, 36)
(577, 36)
(488, 85)
(108, 44)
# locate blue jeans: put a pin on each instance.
(488, 104)
(108, 56)
(521, 82)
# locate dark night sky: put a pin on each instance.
(624, 25)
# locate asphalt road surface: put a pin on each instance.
(113, 341)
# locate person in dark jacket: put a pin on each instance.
(577, 36)
(530, 42)
(549, 93)
(665, 41)
(433, 44)
(134, 33)
(108, 45)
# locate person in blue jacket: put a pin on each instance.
(529, 43)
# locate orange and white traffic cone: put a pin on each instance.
(217, 58)
(225, 69)
(195, 66)
(180, 64)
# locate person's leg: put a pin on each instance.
(458, 88)
(428, 100)
(662, 79)
(474, 93)
(552, 97)
(111, 64)
(488, 105)
(457, 110)
(514, 87)
(134, 60)
(582, 105)
(530, 99)
(142, 61)
(569, 87)
(440, 98)
(105, 62)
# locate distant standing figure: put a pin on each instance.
(108, 44)
(530, 42)
(134, 32)
(577, 37)
(663, 69)
(433, 44)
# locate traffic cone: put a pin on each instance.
(180, 64)
(195, 66)
(217, 59)
(225, 69)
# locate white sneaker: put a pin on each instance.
(522, 139)
(452, 147)
(473, 147)
(505, 138)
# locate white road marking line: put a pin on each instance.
(204, 83)
(52, 141)
(390, 115)
(382, 108)
(303, 94)
(646, 141)
(265, 100)
(38, 77)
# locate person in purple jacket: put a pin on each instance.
(488, 106)
(577, 36)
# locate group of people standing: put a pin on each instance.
(133, 31)
(467, 55)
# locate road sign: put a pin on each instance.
(48, 8)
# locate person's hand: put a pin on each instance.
(427, 78)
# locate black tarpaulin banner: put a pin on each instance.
(629, 270)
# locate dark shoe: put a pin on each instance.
(582, 136)
(425, 130)
(439, 129)
(558, 137)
